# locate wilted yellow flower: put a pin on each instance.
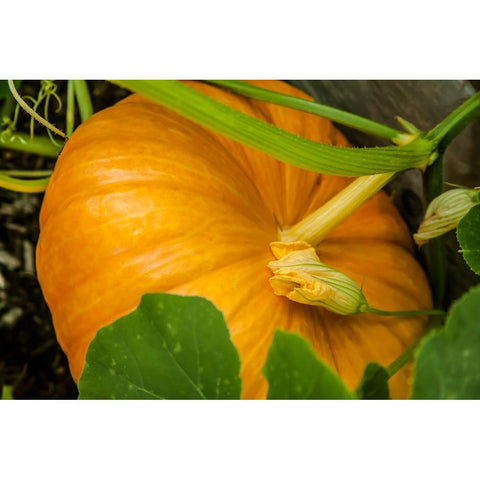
(300, 276)
(444, 213)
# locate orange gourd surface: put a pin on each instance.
(143, 200)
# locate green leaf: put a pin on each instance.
(170, 347)
(374, 383)
(293, 371)
(276, 142)
(448, 362)
(469, 239)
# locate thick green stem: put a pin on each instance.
(316, 226)
(83, 99)
(38, 145)
(402, 359)
(435, 250)
(27, 173)
(344, 118)
(276, 142)
(25, 186)
(454, 123)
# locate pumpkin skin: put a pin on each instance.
(143, 200)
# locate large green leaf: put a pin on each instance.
(170, 347)
(374, 383)
(469, 238)
(293, 371)
(448, 362)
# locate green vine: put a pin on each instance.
(278, 143)
(83, 99)
(309, 106)
(46, 91)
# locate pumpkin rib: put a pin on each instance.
(330, 325)
(319, 314)
(305, 207)
(153, 177)
(372, 232)
(264, 112)
(154, 249)
(133, 104)
(374, 274)
(172, 289)
(240, 103)
(354, 333)
(294, 121)
(279, 115)
(260, 162)
(250, 215)
(254, 353)
(265, 256)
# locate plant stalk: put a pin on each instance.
(402, 359)
(27, 173)
(39, 145)
(336, 115)
(83, 99)
(316, 226)
(32, 112)
(435, 251)
(24, 186)
(279, 143)
(454, 123)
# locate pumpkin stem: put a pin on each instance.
(315, 227)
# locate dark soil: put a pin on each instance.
(31, 360)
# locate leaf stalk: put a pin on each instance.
(279, 143)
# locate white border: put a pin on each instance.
(244, 440)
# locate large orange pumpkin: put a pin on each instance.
(143, 200)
